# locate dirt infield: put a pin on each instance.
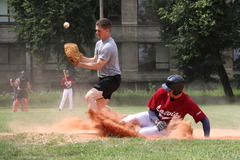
(108, 123)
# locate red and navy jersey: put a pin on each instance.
(168, 109)
(69, 83)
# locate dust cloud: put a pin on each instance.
(107, 123)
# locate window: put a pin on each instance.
(152, 57)
(147, 11)
(12, 57)
(112, 11)
(5, 12)
(146, 57)
(162, 57)
(236, 59)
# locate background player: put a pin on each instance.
(67, 83)
(168, 102)
(23, 87)
(14, 90)
(106, 62)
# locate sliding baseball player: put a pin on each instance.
(168, 102)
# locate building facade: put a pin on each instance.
(143, 56)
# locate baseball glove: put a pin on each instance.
(161, 125)
(72, 52)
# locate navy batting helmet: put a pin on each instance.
(174, 83)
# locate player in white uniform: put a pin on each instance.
(67, 83)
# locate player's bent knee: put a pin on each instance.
(128, 118)
(89, 96)
(93, 94)
(86, 97)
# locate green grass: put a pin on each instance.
(126, 97)
(122, 149)
(53, 146)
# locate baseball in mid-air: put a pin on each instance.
(66, 25)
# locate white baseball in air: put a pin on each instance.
(66, 25)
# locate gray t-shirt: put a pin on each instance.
(107, 50)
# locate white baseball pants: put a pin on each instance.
(67, 93)
(147, 127)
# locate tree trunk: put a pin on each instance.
(225, 83)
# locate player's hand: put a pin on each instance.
(161, 125)
(68, 84)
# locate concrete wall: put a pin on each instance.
(129, 12)
(6, 33)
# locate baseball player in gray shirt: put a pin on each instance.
(106, 62)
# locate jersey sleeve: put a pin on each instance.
(153, 102)
(195, 111)
(62, 81)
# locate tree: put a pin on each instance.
(200, 31)
(39, 24)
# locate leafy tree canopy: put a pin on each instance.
(40, 24)
(199, 31)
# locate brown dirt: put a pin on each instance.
(107, 123)
(180, 129)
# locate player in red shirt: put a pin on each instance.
(67, 83)
(168, 102)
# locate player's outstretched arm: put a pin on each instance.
(206, 126)
(29, 87)
(11, 83)
(152, 115)
(88, 60)
(161, 125)
(93, 65)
